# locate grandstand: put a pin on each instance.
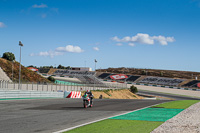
(44, 70)
(104, 75)
(86, 77)
(63, 72)
(132, 78)
(151, 80)
(161, 81)
(192, 83)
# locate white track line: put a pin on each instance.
(67, 129)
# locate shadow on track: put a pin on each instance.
(101, 105)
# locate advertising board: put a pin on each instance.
(118, 76)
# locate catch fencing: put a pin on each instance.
(59, 87)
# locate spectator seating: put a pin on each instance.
(90, 79)
(192, 83)
(161, 81)
(132, 78)
(104, 75)
(64, 72)
(44, 70)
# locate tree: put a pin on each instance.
(52, 79)
(32, 66)
(133, 89)
(61, 67)
(8, 56)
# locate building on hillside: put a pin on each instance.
(33, 69)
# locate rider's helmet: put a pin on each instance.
(87, 91)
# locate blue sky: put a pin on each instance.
(157, 34)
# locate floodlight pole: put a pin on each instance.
(12, 70)
(95, 61)
(19, 86)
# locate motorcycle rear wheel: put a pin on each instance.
(85, 104)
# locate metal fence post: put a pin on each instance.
(42, 86)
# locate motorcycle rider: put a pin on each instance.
(90, 95)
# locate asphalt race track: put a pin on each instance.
(49, 115)
(175, 97)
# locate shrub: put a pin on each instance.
(8, 56)
(52, 79)
(133, 89)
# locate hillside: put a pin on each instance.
(26, 74)
(153, 72)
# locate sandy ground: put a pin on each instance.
(116, 94)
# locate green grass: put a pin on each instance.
(150, 114)
(182, 104)
(131, 126)
(118, 126)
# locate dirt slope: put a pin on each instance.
(116, 94)
(153, 72)
(26, 74)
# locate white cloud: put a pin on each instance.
(96, 48)
(131, 44)
(119, 44)
(126, 39)
(115, 39)
(144, 39)
(47, 53)
(2, 25)
(59, 51)
(163, 40)
(70, 48)
(40, 6)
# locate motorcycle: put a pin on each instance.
(86, 101)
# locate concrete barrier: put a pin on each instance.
(29, 94)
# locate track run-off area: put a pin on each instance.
(50, 115)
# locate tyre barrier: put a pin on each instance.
(72, 94)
